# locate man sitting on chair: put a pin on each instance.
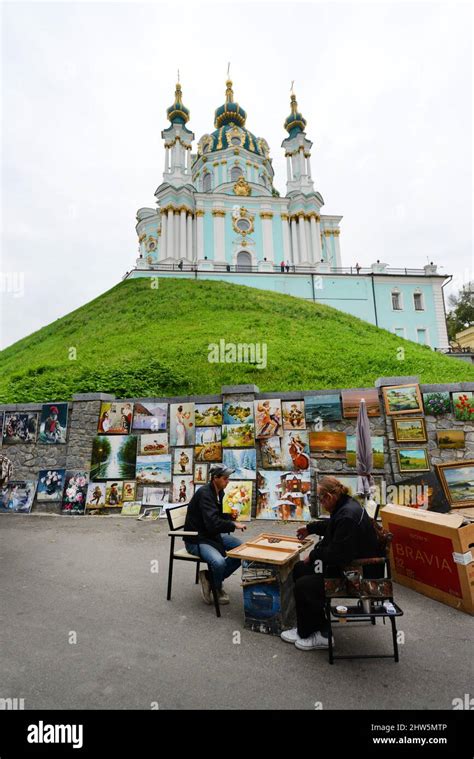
(205, 516)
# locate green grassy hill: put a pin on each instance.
(137, 341)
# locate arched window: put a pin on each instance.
(207, 182)
(244, 261)
(236, 140)
(235, 173)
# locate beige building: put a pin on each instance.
(465, 339)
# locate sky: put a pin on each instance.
(386, 89)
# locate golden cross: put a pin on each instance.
(292, 83)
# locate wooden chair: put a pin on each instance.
(176, 519)
(370, 592)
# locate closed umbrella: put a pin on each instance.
(365, 459)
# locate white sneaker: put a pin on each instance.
(290, 636)
(316, 640)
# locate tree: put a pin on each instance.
(461, 315)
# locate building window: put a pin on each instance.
(396, 300)
(243, 225)
(236, 141)
(418, 301)
(400, 332)
(244, 261)
(206, 182)
(235, 173)
(421, 336)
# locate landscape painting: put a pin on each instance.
(293, 415)
(422, 491)
(131, 509)
(113, 457)
(450, 438)
(244, 462)
(268, 422)
(351, 402)
(182, 424)
(238, 500)
(19, 428)
(115, 418)
(322, 408)
(238, 413)
(153, 444)
(50, 484)
(284, 495)
(328, 445)
(75, 492)
(457, 479)
(153, 470)
(17, 497)
(295, 452)
(156, 496)
(183, 489)
(271, 453)
(183, 461)
(377, 451)
(402, 399)
(95, 495)
(53, 423)
(411, 430)
(413, 460)
(238, 436)
(208, 414)
(150, 417)
(208, 444)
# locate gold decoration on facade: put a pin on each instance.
(238, 215)
(242, 187)
(216, 163)
(199, 213)
(142, 237)
(218, 212)
(236, 151)
(266, 215)
(284, 217)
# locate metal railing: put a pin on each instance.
(290, 269)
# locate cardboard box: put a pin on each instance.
(433, 554)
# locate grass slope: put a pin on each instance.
(137, 341)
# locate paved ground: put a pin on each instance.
(92, 576)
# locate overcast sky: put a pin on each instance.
(386, 89)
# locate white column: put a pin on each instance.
(315, 240)
(302, 163)
(267, 236)
(294, 240)
(302, 240)
(288, 168)
(182, 234)
(167, 160)
(309, 247)
(170, 251)
(219, 238)
(199, 235)
(189, 237)
(337, 250)
(308, 165)
(164, 235)
(286, 239)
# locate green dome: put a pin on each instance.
(295, 122)
(232, 136)
(178, 113)
(230, 112)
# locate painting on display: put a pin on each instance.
(322, 408)
(244, 463)
(270, 449)
(182, 427)
(75, 492)
(437, 404)
(463, 406)
(295, 452)
(153, 444)
(150, 417)
(402, 399)
(114, 494)
(457, 480)
(377, 451)
(183, 488)
(113, 457)
(19, 427)
(422, 491)
(283, 495)
(351, 402)
(293, 415)
(450, 438)
(156, 496)
(129, 491)
(201, 473)
(153, 470)
(95, 495)
(183, 461)
(412, 430)
(131, 509)
(53, 423)
(17, 497)
(328, 445)
(268, 421)
(208, 445)
(238, 500)
(238, 413)
(413, 460)
(238, 436)
(208, 414)
(115, 418)
(50, 484)
(152, 512)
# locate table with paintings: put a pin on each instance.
(267, 563)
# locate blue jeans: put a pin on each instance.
(220, 566)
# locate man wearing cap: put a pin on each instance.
(205, 516)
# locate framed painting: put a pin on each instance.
(238, 500)
(244, 463)
(451, 438)
(129, 491)
(201, 473)
(183, 488)
(328, 445)
(156, 496)
(284, 495)
(268, 422)
(457, 480)
(322, 408)
(17, 497)
(95, 495)
(413, 460)
(437, 404)
(20, 427)
(150, 417)
(208, 414)
(421, 491)
(238, 413)
(377, 443)
(115, 418)
(238, 436)
(131, 509)
(53, 423)
(295, 450)
(153, 470)
(208, 446)
(351, 402)
(412, 430)
(402, 399)
(293, 415)
(51, 484)
(182, 424)
(113, 457)
(463, 406)
(183, 461)
(114, 494)
(153, 444)
(270, 450)
(75, 492)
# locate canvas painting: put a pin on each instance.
(422, 491)
(238, 500)
(114, 494)
(457, 480)
(51, 484)
(153, 444)
(208, 445)
(271, 453)
(413, 460)
(19, 428)
(322, 408)
(208, 414)
(153, 470)
(351, 402)
(451, 438)
(17, 497)
(183, 488)
(295, 452)
(129, 491)
(113, 457)
(402, 399)
(150, 417)
(201, 473)
(131, 509)
(283, 495)
(95, 495)
(412, 430)
(53, 423)
(183, 461)
(238, 413)
(152, 513)
(156, 496)
(268, 421)
(293, 415)
(244, 462)
(377, 451)
(238, 436)
(115, 418)
(182, 428)
(463, 406)
(437, 404)
(75, 492)
(328, 445)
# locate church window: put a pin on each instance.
(206, 182)
(235, 173)
(418, 301)
(396, 300)
(235, 140)
(243, 225)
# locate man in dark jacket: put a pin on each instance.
(205, 516)
(347, 535)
